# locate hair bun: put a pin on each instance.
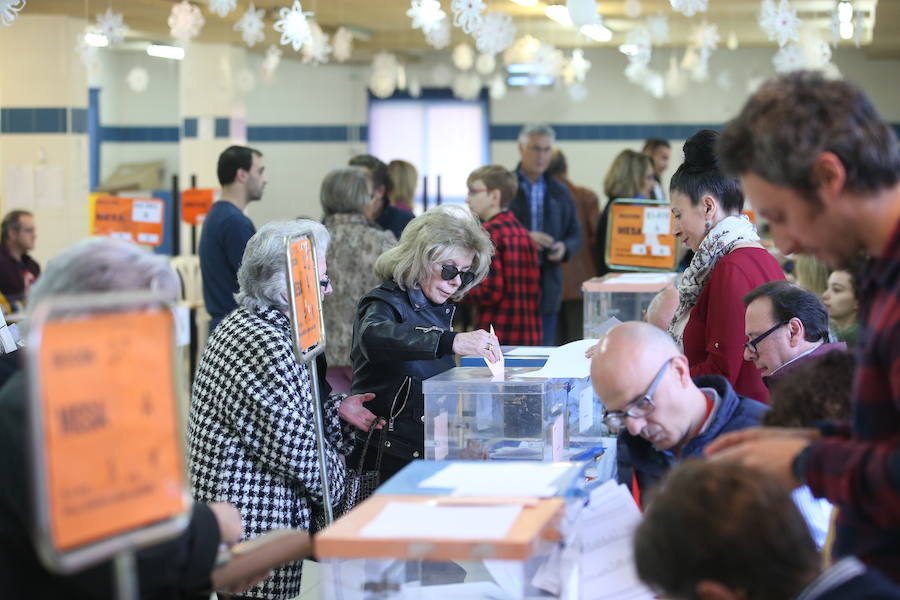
(700, 151)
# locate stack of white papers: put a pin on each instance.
(412, 520)
(520, 479)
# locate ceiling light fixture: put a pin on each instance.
(597, 32)
(846, 30)
(845, 11)
(560, 14)
(170, 52)
(526, 2)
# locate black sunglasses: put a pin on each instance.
(448, 272)
(751, 345)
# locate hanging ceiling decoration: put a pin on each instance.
(439, 37)
(185, 21)
(112, 26)
(317, 50)
(342, 44)
(779, 22)
(383, 80)
(426, 14)
(495, 34)
(293, 26)
(251, 26)
(9, 11)
(138, 79)
(463, 57)
(270, 63)
(658, 26)
(467, 14)
(689, 8)
(222, 7)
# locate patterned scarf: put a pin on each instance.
(720, 240)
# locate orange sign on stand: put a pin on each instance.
(639, 237)
(137, 220)
(195, 205)
(112, 456)
(306, 301)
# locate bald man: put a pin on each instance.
(662, 308)
(661, 414)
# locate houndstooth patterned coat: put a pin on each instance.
(251, 435)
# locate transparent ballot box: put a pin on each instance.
(469, 416)
(417, 547)
(624, 296)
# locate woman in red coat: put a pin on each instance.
(728, 263)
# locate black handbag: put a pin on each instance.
(359, 484)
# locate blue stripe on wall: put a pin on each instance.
(190, 128)
(79, 120)
(33, 120)
(223, 127)
(139, 134)
(599, 132)
(300, 133)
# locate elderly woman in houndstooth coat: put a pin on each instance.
(251, 436)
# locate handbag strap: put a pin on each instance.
(362, 456)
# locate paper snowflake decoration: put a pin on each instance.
(859, 24)
(548, 60)
(88, 54)
(293, 26)
(522, 50)
(317, 50)
(779, 22)
(582, 12)
(185, 21)
(577, 91)
(222, 7)
(835, 26)
(383, 80)
(495, 34)
(138, 79)
(658, 26)
(270, 63)
(251, 25)
(110, 24)
(632, 9)
(485, 64)
(414, 88)
(245, 81)
(789, 58)
(579, 65)
(638, 46)
(705, 37)
(467, 14)
(467, 86)
(463, 57)
(732, 42)
(426, 14)
(497, 89)
(441, 75)
(676, 84)
(9, 11)
(689, 7)
(385, 62)
(439, 37)
(342, 44)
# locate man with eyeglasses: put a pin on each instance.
(787, 326)
(661, 414)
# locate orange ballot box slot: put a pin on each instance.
(112, 443)
(640, 237)
(195, 205)
(138, 220)
(305, 286)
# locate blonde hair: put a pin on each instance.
(405, 178)
(626, 174)
(811, 274)
(429, 239)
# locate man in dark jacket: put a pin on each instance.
(544, 206)
(662, 414)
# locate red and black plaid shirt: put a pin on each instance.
(509, 297)
(858, 469)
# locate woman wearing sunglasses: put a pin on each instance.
(404, 327)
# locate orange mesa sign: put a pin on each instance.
(112, 445)
(639, 237)
(306, 301)
(137, 220)
(195, 205)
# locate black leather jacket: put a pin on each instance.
(396, 341)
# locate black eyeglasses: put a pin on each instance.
(752, 344)
(637, 408)
(325, 282)
(448, 272)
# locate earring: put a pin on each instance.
(708, 225)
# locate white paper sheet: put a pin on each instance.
(566, 361)
(476, 590)
(494, 479)
(411, 520)
(497, 369)
(641, 278)
(49, 188)
(18, 188)
(531, 351)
